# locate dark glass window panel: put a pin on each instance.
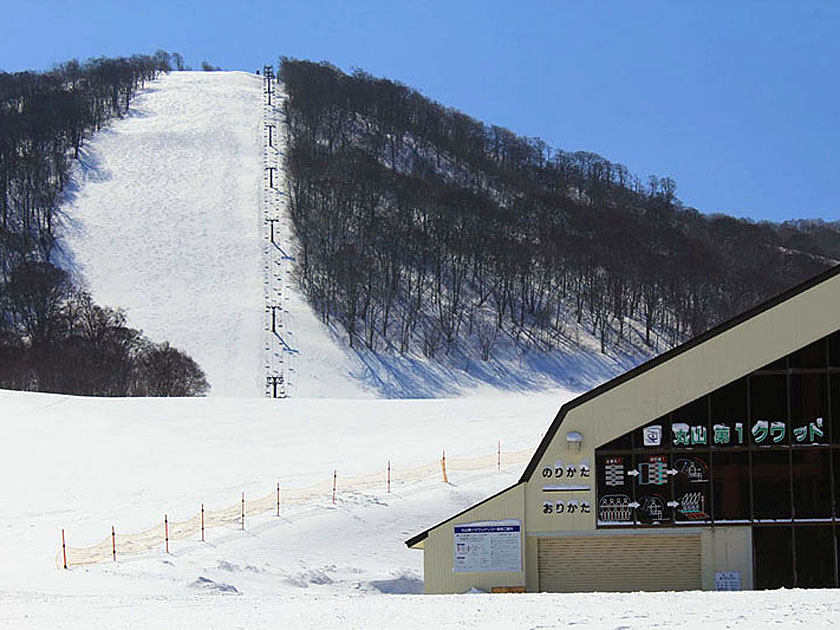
(645, 436)
(835, 455)
(731, 481)
(809, 408)
(692, 484)
(768, 404)
(652, 488)
(834, 381)
(771, 484)
(834, 349)
(811, 483)
(837, 553)
(690, 425)
(729, 403)
(773, 553)
(625, 442)
(815, 565)
(779, 364)
(612, 470)
(811, 356)
(615, 488)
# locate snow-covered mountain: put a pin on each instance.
(166, 218)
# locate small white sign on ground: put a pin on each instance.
(488, 546)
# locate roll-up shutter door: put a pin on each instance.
(620, 563)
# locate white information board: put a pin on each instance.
(487, 546)
(727, 580)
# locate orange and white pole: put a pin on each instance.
(63, 548)
(443, 467)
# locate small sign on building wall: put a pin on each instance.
(727, 580)
(488, 546)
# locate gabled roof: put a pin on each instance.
(667, 356)
(638, 370)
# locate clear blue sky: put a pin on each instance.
(738, 101)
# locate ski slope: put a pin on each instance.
(85, 464)
(163, 219)
(167, 217)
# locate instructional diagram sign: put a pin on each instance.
(488, 546)
(727, 580)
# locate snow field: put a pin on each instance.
(84, 464)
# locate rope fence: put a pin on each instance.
(117, 545)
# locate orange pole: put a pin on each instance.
(443, 467)
(63, 548)
(389, 476)
(243, 511)
(335, 479)
(499, 455)
(278, 498)
(114, 542)
(166, 532)
(202, 522)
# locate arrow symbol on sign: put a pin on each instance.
(634, 504)
(673, 503)
(672, 471)
(633, 473)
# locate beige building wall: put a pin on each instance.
(727, 549)
(438, 548)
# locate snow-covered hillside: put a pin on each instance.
(167, 216)
(85, 464)
(164, 220)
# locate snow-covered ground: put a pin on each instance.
(85, 464)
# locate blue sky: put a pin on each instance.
(737, 101)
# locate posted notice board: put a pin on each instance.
(488, 546)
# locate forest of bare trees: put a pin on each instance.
(421, 229)
(52, 336)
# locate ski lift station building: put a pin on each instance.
(715, 465)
